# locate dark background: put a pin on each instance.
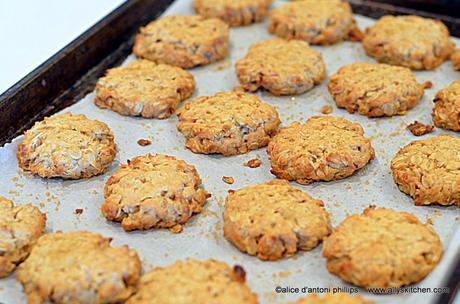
(443, 7)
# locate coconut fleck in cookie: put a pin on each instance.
(429, 170)
(20, 227)
(456, 59)
(153, 191)
(228, 123)
(233, 12)
(325, 148)
(67, 146)
(382, 248)
(274, 219)
(79, 267)
(194, 281)
(143, 88)
(281, 67)
(375, 89)
(317, 22)
(184, 41)
(336, 298)
(446, 111)
(411, 41)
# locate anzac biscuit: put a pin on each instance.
(20, 227)
(193, 282)
(411, 41)
(233, 12)
(375, 89)
(446, 111)
(456, 59)
(274, 219)
(143, 88)
(67, 146)
(153, 191)
(315, 21)
(325, 148)
(382, 248)
(79, 267)
(184, 41)
(228, 123)
(333, 298)
(429, 170)
(281, 67)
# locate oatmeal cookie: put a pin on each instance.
(456, 59)
(382, 248)
(336, 298)
(228, 123)
(143, 88)
(184, 41)
(411, 41)
(274, 219)
(375, 90)
(325, 148)
(153, 191)
(315, 21)
(20, 227)
(67, 146)
(429, 170)
(233, 12)
(193, 282)
(281, 67)
(79, 267)
(446, 111)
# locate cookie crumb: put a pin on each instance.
(78, 211)
(176, 229)
(326, 110)
(419, 129)
(253, 163)
(228, 179)
(427, 85)
(144, 142)
(240, 273)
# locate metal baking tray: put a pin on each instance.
(66, 81)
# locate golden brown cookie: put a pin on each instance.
(456, 59)
(67, 146)
(193, 282)
(233, 12)
(446, 111)
(274, 219)
(20, 227)
(325, 148)
(429, 170)
(153, 191)
(184, 41)
(79, 267)
(143, 88)
(281, 67)
(228, 123)
(336, 298)
(375, 90)
(382, 248)
(411, 41)
(315, 21)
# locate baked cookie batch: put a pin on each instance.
(272, 220)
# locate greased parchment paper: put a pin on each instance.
(202, 236)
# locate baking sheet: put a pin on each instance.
(202, 236)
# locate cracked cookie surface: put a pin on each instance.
(336, 298)
(411, 41)
(382, 248)
(184, 41)
(143, 88)
(67, 146)
(79, 267)
(325, 148)
(446, 111)
(274, 219)
(317, 22)
(153, 191)
(375, 90)
(429, 170)
(193, 281)
(281, 67)
(228, 123)
(233, 12)
(20, 228)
